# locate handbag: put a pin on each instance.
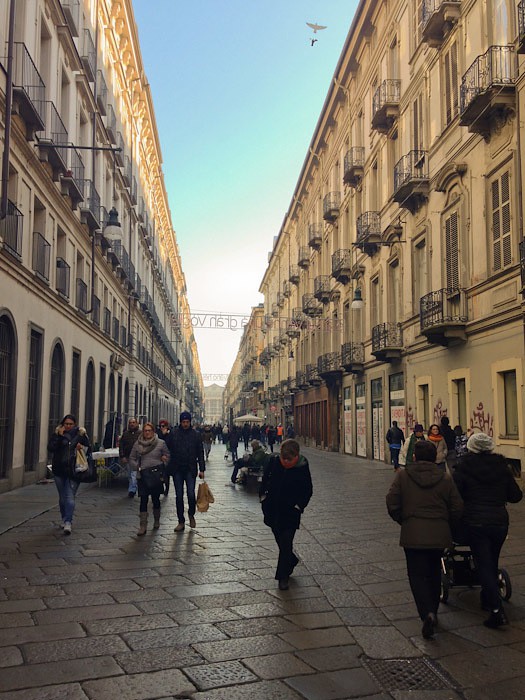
(153, 478)
(85, 467)
(204, 497)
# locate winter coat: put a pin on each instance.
(272, 436)
(395, 436)
(64, 450)
(259, 458)
(285, 493)
(423, 499)
(233, 438)
(150, 459)
(186, 451)
(442, 451)
(486, 484)
(128, 439)
(407, 450)
(449, 436)
(207, 436)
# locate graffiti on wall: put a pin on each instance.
(439, 411)
(482, 421)
(410, 420)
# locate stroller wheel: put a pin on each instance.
(445, 587)
(505, 586)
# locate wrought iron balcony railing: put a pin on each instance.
(311, 306)
(95, 310)
(443, 316)
(331, 206)
(287, 289)
(81, 299)
(368, 227)
(72, 181)
(102, 93)
(354, 164)
(438, 17)
(352, 356)
(294, 274)
(342, 265)
(312, 375)
(385, 105)
(322, 290)
(115, 334)
(29, 91)
(11, 230)
(63, 275)
(329, 365)
(107, 321)
(53, 140)
(111, 123)
(387, 341)
(303, 259)
(71, 10)
(315, 236)
(88, 55)
(411, 183)
(90, 208)
(40, 258)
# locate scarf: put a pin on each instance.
(436, 438)
(146, 446)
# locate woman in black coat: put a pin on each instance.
(486, 484)
(285, 491)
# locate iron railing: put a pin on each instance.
(88, 55)
(385, 336)
(352, 354)
(71, 10)
(92, 199)
(95, 310)
(430, 7)
(331, 206)
(76, 168)
(444, 306)
(322, 287)
(27, 78)
(368, 224)
(107, 321)
(412, 166)
(63, 275)
(295, 274)
(102, 93)
(303, 259)
(312, 374)
(287, 289)
(311, 306)
(81, 296)
(11, 230)
(329, 363)
(55, 132)
(111, 123)
(115, 334)
(388, 93)
(341, 260)
(40, 258)
(315, 235)
(354, 158)
(496, 67)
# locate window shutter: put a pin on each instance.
(448, 106)
(501, 223)
(452, 251)
(454, 78)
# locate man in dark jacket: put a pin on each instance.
(395, 438)
(126, 443)
(450, 438)
(186, 453)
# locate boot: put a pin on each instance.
(156, 518)
(143, 524)
(497, 618)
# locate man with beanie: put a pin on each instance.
(486, 484)
(186, 454)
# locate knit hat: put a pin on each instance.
(480, 442)
(418, 428)
(185, 415)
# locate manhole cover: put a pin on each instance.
(407, 674)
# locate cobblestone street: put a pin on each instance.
(103, 614)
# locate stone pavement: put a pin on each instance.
(103, 614)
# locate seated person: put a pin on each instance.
(242, 463)
(254, 462)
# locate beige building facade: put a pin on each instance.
(92, 291)
(395, 283)
(213, 404)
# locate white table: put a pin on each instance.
(111, 453)
(106, 474)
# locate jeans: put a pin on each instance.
(424, 575)
(486, 542)
(67, 490)
(234, 452)
(287, 559)
(132, 480)
(155, 499)
(394, 456)
(179, 479)
(207, 449)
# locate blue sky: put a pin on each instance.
(237, 91)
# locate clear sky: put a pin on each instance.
(237, 91)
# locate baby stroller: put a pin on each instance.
(458, 569)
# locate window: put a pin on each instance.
(34, 394)
(8, 366)
(394, 291)
(451, 84)
(501, 223)
(89, 405)
(56, 392)
(418, 21)
(510, 404)
(75, 385)
(417, 123)
(460, 395)
(452, 250)
(375, 302)
(420, 272)
(423, 405)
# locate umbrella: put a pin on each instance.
(248, 418)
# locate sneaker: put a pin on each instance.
(283, 584)
(429, 625)
(497, 618)
(131, 494)
(67, 528)
(179, 528)
(193, 524)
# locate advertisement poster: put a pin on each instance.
(348, 422)
(377, 432)
(398, 413)
(360, 420)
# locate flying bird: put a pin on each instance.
(315, 27)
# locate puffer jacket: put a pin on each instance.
(486, 484)
(424, 499)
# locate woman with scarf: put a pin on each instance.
(67, 440)
(437, 439)
(149, 451)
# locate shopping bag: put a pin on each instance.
(204, 497)
(85, 467)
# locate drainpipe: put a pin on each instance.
(8, 110)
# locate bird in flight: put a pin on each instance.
(317, 28)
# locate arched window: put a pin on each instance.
(89, 407)
(56, 390)
(7, 393)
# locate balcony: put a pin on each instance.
(90, 208)
(331, 206)
(63, 276)
(280, 300)
(127, 171)
(275, 309)
(312, 375)
(521, 27)
(315, 236)
(443, 316)
(298, 322)
(11, 230)
(52, 141)
(439, 16)
(119, 257)
(411, 183)
(342, 265)
(111, 124)
(301, 381)
(102, 93)
(311, 307)
(354, 166)
(303, 259)
(107, 321)
(29, 91)
(72, 181)
(294, 274)
(95, 311)
(488, 93)
(385, 105)
(322, 291)
(387, 342)
(119, 155)
(369, 232)
(522, 265)
(115, 332)
(71, 10)
(353, 357)
(329, 365)
(81, 296)
(287, 289)
(40, 257)
(88, 55)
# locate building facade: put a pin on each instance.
(394, 282)
(213, 404)
(92, 291)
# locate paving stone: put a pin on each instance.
(95, 612)
(265, 690)
(335, 685)
(139, 595)
(229, 600)
(10, 656)
(64, 577)
(332, 658)
(117, 575)
(294, 605)
(315, 620)
(443, 644)
(76, 601)
(491, 638)
(311, 639)
(147, 660)
(362, 617)
(172, 636)
(68, 691)
(349, 599)
(40, 652)
(129, 624)
(258, 609)
(14, 606)
(252, 627)
(244, 647)
(486, 666)
(141, 686)
(25, 592)
(37, 675)
(208, 589)
(165, 605)
(502, 690)
(21, 619)
(277, 666)
(210, 615)
(384, 642)
(208, 676)
(89, 587)
(163, 582)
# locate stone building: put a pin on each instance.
(213, 404)
(92, 290)
(395, 279)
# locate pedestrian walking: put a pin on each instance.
(285, 491)
(271, 434)
(207, 440)
(450, 440)
(65, 443)
(435, 436)
(246, 432)
(128, 439)
(233, 441)
(423, 499)
(395, 438)
(148, 457)
(406, 454)
(163, 429)
(186, 455)
(279, 432)
(486, 484)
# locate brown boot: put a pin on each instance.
(143, 524)
(156, 518)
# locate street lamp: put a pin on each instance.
(357, 301)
